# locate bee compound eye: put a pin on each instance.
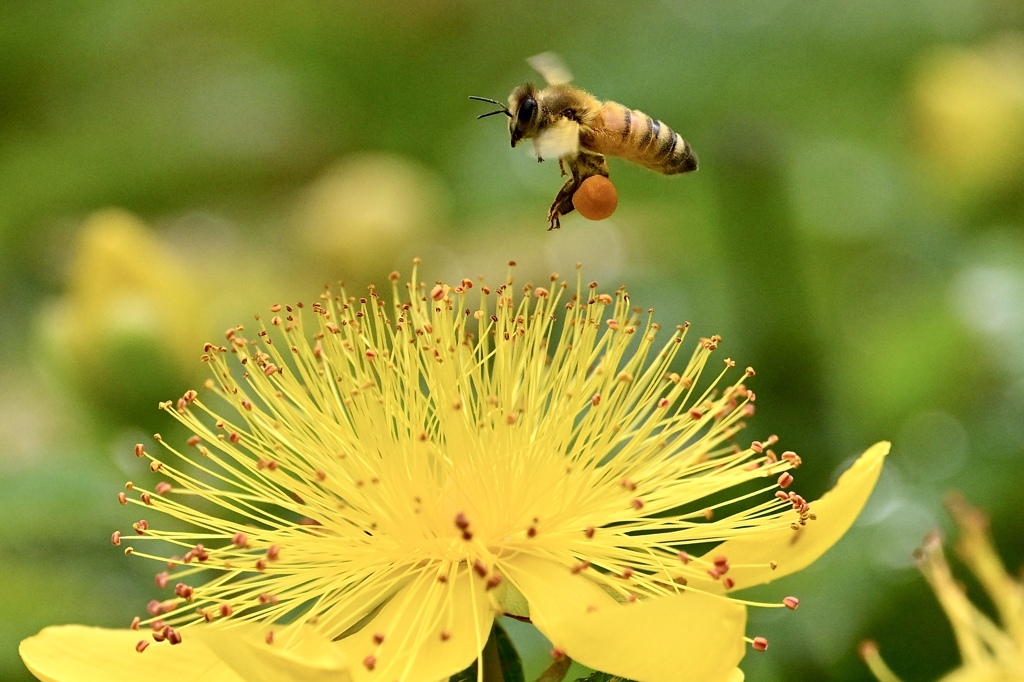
(527, 110)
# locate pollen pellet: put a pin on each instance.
(596, 198)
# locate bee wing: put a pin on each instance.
(561, 138)
(551, 67)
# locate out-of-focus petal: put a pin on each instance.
(682, 636)
(427, 632)
(791, 550)
(77, 653)
(301, 655)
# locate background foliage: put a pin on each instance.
(855, 232)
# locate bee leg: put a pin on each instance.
(561, 167)
(562, 205)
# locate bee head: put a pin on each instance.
(523, 122)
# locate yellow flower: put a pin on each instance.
(990, 653)
(375, 485)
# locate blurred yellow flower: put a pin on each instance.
(968, 107)
(989, 653)
(131, 310)
(369, 489)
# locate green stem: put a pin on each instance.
(491, 661)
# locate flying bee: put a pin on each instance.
(570, 124)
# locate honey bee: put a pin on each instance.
(570, 124)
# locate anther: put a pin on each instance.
(492, 582)
(139, 452)
(163, 487)
(760, 644)
(582, 566)
(729, 583)
(557, 654)
(791, 603)
(115, 538)
(684, 557)
(785, 479)
(637, 503)
(378, 638)
(161, 579)
(589, 532)
(445, 635)
(153, 607)
(370, 662)
(135, 623)
(273, 552)
(461, 522)
(146, 499)
(141, 645)
(270, 637)
(480, 568)
(225, 610)
(122, 498)
(173, 636)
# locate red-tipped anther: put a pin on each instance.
(437, 293)
(193, 441)
(122, 498)
(782, 496)
(135, 623)
(160, 635)
(531, 532)
(637, 503)
(713, 572)
(378, 638)
(589, 532)
(663, 403)
(684, 557)
(225, 610)
(695, 413)
(240, 540)
(445, 635)
(173, 636)
(627, 573)
(269, 637)
(582, 566)
(557, 654)
(184, 591)
(596, 400)
(146, 499)
(461, 522)
(161, 579)
(267, 598)
(772, 565)
(785, 479)
(493, 582)
(791, 603)
(153, 607)
(273, 552)
(370, 662)
(791, 457)
(163, 487)
(141, 645)
(728, 583)
(480, 568)
(760, 644)
(139, 452)
(721, 563)
(757, 447)
(141, 526)
(628, 484)
(115, 538)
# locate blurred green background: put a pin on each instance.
(855, 232)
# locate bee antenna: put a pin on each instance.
(502, 110)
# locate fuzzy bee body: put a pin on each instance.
(570, 124)
(633, 135)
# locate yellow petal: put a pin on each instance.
(73, 653)
(692, 635)
(794, 550)
(427, 632)
(296, 655)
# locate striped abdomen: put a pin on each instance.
(635, 136)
